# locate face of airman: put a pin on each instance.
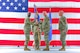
(61, 13)
(36, 21)
(44, 13)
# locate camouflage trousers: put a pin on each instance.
(46, 38)
(63, 38)
(27, 38)
(37, 39)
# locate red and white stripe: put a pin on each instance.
(11, 23)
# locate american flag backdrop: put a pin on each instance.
(13, 13)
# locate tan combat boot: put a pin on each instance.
(38, 48)
(62, 49)
(26, 49)
(46, 49)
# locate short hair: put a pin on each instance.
(44, 12)
(29, 14)
(61, 11)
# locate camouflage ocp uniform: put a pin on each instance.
(27, 29)
(63, 29)
(37, 36)
(46, 28)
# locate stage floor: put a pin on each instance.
(10, 49)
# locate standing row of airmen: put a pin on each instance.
(38, 27)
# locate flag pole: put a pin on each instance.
(51, 21)
(50, 32)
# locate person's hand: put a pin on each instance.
(36, 12)
(38, 29)
(36, 21)
(63, 31)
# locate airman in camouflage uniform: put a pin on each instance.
(37, 32)
(63, 30)
(27, 29)
(46, 28)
